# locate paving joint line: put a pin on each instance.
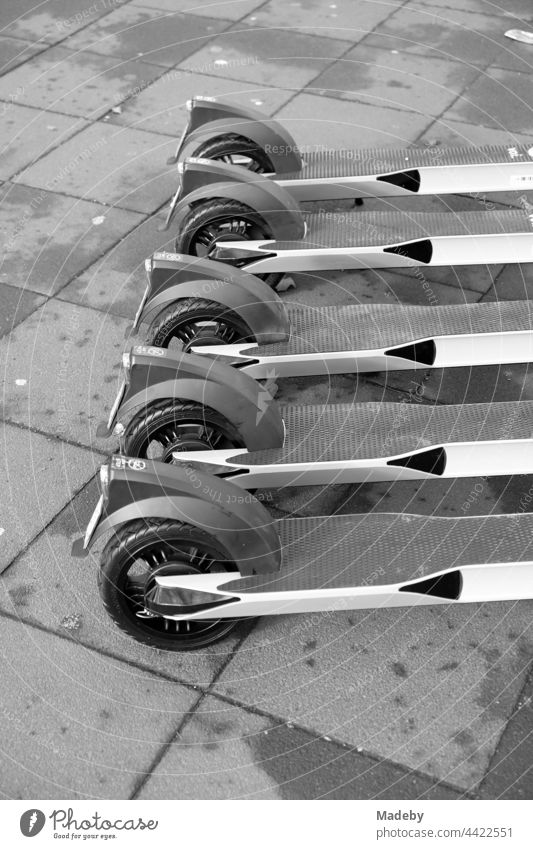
(527, 682)
(185, 719)
(54, 436)
(442, 5)
(42, 532)
(225, 699)
(88, 125)
(97, 119)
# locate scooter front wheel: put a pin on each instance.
(129, 562)
(196, 321)
(165, 427)
(218, 220)
(236, 150)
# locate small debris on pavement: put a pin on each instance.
(72, 622)
(520, 35)
(20, 381)
(98, 219)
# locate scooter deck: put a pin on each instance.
(391, 239)
(373, 560)
(365, 162)
(377, 337)
(355, 229)
(345, 443)
(378, 548)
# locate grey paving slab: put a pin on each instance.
(26, 134)
(323, 122)
(510, 775)
(515, 282)
(224, 752)
(49, 587)
(500, 99)
(113, 165)
(477, 278)
(78, 725)
(161, 106)
(48, 238)
(116, 281)
(272, 58)
(383, 78)
(76, 83)
(476, 39)
(450, 132)
(428, 688)
(159, 37)
(69, 357)
(15, 306)
(38, 477)
(15, 51)
(350, 21)
(232, 10)
(513, 55)
(52, 20)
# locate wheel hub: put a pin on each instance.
(187, 442)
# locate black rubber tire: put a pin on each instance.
(222, 147)
(219, 209)
(188, 310)
(161, 414)
(130, 540)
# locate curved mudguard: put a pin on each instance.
(204, 179)
(172, 277)
(144, 489)
(153, 374)
(213, 117)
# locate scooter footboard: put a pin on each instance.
(373, 560)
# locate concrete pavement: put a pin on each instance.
(415, 703)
